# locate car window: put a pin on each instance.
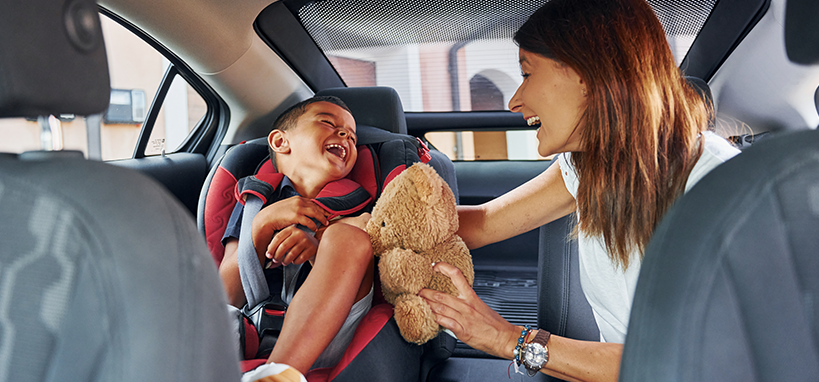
(486, 145)
(459, 57)
(136, 72)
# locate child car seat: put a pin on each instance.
(377, 347)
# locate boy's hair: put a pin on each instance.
(289, 118)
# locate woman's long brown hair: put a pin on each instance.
(641, 123)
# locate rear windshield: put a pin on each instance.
(449, 55)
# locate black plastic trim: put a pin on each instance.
(420, 123)
(279, 27)
(730, 21)
(153, 112)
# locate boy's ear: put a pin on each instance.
(277, 140)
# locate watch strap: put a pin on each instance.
(540, 347)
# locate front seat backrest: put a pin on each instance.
(103, 276)
(728, 287)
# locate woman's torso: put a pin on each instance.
(608, 288)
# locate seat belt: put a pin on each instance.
(250, 271)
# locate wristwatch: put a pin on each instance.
(536, 353)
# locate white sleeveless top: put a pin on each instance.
(607, 287)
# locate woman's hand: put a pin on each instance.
(472, 321)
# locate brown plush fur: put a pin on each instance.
(414, 225)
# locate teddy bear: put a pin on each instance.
(413, 226)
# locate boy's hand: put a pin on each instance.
(292, 245)
(295, 210)
(282, 214)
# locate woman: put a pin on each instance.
(600, 80)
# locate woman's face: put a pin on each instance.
(553, 96)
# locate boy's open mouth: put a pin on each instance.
(337, 150)
(533, 121)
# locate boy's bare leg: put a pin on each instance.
(342, 274)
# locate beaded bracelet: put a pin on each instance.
(523, 334)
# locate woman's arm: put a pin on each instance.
(532, 204)
(480, 327)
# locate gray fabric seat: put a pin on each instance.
(730, 280)
(728, 286)
(103, 275)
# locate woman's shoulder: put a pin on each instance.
(718, 147)
(716, 151)
(569, 173)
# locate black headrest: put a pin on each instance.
(377, 106)
(52, 58)
(801, 34)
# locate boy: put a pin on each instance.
(314, 143)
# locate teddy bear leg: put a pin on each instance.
(415, 319)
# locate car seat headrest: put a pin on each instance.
(377, 106)
(50, 51)
(801, 34)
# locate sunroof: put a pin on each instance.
(454, 55)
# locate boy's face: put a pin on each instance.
(324, 140)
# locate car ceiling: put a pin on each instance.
(218, 40)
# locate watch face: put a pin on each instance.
(535, 355)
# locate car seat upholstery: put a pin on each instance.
(730, 279)
(562, 306)
(103, 276)
(377, 347)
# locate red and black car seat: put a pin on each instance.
(377, 348)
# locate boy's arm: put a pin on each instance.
(229, 273)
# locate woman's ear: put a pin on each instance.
(277, 140)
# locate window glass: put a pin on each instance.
(487, 145)
(449, 56)
(180, 113)
(136, 70)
